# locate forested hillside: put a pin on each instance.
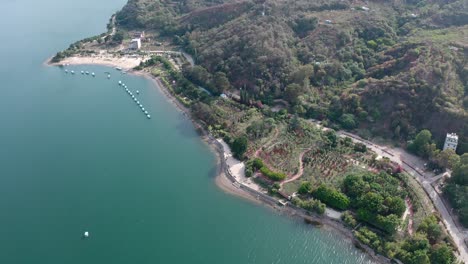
(386, 68)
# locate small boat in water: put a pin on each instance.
(118, 68)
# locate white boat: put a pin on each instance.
(118, 68)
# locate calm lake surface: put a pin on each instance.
(77, 154)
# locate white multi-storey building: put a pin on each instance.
(451, 141)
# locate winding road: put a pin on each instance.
(301, 169)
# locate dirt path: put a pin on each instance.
(301, 169)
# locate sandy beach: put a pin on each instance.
(124, 62)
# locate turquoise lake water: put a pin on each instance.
(77, 154)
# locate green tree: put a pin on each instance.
(460, 171)
(431, 228)
(305, 187)
(118, 37)
(446, 159)
(220, 83)
(239, 147)
(372, 202)
(395, 205)
(348, 121)
(331, 139)
(388, 223)
(442, 254)
(331, 197)
(292, 93)
(421, 142)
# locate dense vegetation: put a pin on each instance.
(377, 199)
(392, 70)
(427, 246)
(456, 189)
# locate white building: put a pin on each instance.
(451, 141)
(135, 44)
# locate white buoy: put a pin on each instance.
(141, 106)
(66, 71)
(72, 72)
(92, 74)
(120, 82)
(138, 92)
(108, 76)
(148, 116)
(87, 72)
(133, 96)
(82, 72)
(138, 102)
(146, 112)
(134, 99)
(86, 234)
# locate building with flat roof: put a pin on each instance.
(451, 141)
(135, 44)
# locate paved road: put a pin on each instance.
(415, 167)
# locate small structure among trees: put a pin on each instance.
(451, 141)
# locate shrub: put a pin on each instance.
(348, 219)
(305, 187)
(310, 205)
(275, 176)
(331, 197)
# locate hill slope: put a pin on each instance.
(386, 67)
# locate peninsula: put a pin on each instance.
(335, 111)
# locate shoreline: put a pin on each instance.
(125, 63)
(223, 179)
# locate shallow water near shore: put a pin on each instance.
(77, 154)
